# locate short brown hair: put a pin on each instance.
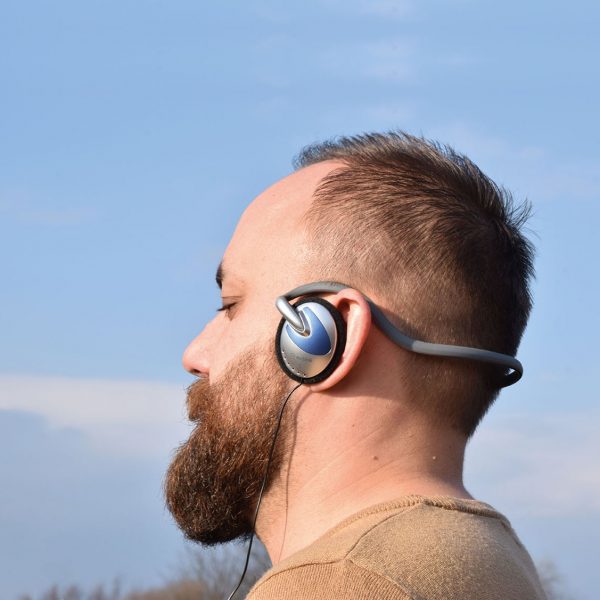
(439, 244)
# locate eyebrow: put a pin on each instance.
(220, 275)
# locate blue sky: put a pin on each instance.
(133, 136)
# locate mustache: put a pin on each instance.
(197, 398)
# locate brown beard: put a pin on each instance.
(212, 485)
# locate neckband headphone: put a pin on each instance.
(312, 335)
(311, 338)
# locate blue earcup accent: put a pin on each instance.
(318, 342)
(311, 358)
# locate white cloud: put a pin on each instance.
(538, 464)
(140, 418)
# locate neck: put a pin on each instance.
(344, 459)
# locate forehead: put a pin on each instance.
(269, 239)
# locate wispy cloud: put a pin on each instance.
(538, 464)
(139, 418)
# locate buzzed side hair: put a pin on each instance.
(420, 227)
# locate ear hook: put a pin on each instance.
(292, 316)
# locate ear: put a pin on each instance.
(356, 313)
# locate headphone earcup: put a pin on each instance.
(312, 358)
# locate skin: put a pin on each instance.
(357, 439)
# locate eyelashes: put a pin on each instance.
(226, 307)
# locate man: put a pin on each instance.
(364, 496)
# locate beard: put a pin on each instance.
(212, 485)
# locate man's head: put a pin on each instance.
(439, 244)
(417, 228)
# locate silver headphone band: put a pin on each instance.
(399, 338)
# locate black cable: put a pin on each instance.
(262, 489)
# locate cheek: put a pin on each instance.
(234, 336)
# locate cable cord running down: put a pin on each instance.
(262, 490)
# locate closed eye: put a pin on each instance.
(226, 307)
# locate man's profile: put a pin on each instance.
(364, 496)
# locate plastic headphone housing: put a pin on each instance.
(312, 357)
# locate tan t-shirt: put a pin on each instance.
(414, 548)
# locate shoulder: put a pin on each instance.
(416, 548)
(337, 580)
(450, 549)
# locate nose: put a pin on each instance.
(195, 357)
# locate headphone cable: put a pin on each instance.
(262, 490)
